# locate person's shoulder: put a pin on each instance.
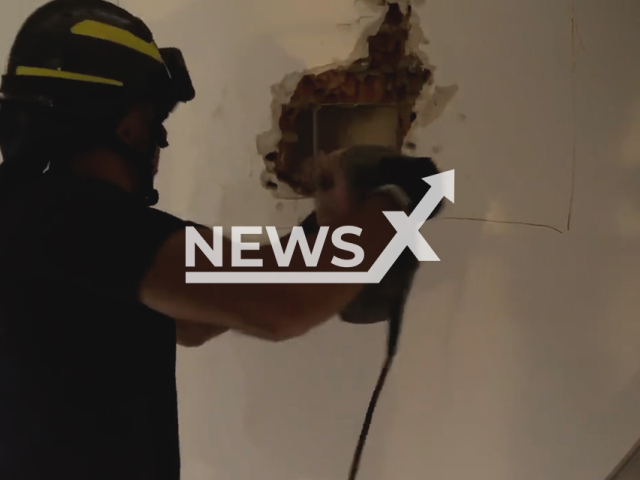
(60, 198)
(63, 188)
(53, 190)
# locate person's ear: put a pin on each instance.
(133, 128)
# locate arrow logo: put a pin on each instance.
(407, 236)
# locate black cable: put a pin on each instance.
(409, 265)
(355, 465)
(395, 325)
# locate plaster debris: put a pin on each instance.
(387, 69)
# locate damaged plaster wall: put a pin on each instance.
(387, 67)
(521, 350)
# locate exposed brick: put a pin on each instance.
(387, 76)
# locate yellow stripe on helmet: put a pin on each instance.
(47, 72)
(102, 31)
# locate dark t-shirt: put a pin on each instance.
(87, 373)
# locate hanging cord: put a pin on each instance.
(395, 326)
(396, 313)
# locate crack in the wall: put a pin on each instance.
(386, 68)
(502, 222)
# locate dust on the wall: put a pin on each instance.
(387, 67)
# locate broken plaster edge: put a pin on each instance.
(403, 4)
(434, 99)
(429, 107)
(282, 93)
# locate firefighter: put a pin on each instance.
(93, 298)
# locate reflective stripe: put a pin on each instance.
(46, 72)
(91, 28)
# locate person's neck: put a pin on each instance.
(105, 165)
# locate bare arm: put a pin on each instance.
(190, 334)
(271, 311)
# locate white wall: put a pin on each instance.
(520, 358)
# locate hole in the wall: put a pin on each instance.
(339, 126)
(370, 101)
(299, 140)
